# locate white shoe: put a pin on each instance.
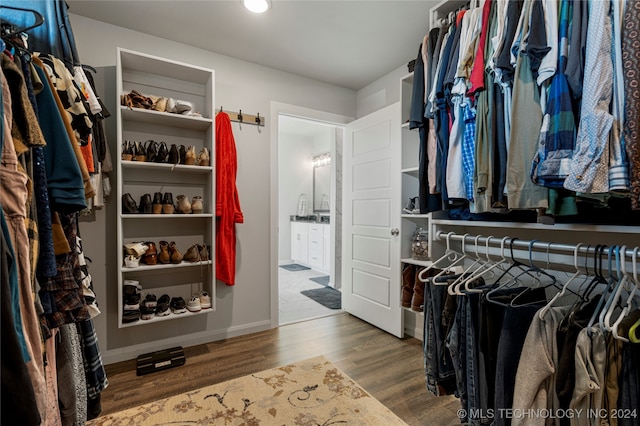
(193, 305)
(205, 300)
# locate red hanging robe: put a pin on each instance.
(228, 211)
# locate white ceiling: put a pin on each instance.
(345, 43)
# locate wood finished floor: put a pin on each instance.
(389, 368)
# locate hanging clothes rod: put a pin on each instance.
(239, 117)
(527, 245)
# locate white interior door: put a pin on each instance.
(371, 245)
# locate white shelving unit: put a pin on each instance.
(151, 75)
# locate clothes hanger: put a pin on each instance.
(622, 285)
(451, 265)
(633, 336)
(539, 272)
(599, 279)
(449, 255)
(487, 268)
(465, 272)
(612, 300)
(542, 312)
(514, 280)
(628, 305)
(39, 20)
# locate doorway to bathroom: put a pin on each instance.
(309, 223)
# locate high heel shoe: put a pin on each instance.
(145, 204)
(164, 256)
(190, 157)
(174, 155)
(176, 256)
(163, 153)
(183, 206)
(182, 152)
(196, 205)
(152, 150)
(167, 204)
(127, 151)
(203, 157)
(139, 152)
(156, 205)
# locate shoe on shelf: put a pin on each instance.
(193, 305)
(156, 204)
(135, 249)
(183, 205)
(182, 154)
(174, 155)
(190, 156)
(196, 205)
(150, 257)
(129, 204)
(129, 316)
(131, 261)
(176, 256)
(132, 287)
(147, 312)
(139, 152)
(152, 150)
(132, 302)
(127, 151)
(163, 153)
(162, 308)
(164, 256)
(205, 300)
(167, 203)
(150, 301)
(203, 157)
(178, 305)
(204, 252)
(193, 254)
(145, 206)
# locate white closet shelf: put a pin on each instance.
(413, 171)
(147, 165)
(413, 261)
(165, 216)
(524, 225)
(171, 316)
(159, 266)
(165, 118)
(414, 216)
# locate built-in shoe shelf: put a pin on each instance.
(164, 78)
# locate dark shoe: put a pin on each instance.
(129, 316)
(178, 305)
(127, 151)
(174, 155)
(129, 204)
(164, 256)
(145, 204)
(152, 150)
(163, 153)
(139, 152)
(156, 207)
(162, 308)
(408, 282)
(182, 152)
(167, 204)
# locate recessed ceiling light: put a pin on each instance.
(256, 6)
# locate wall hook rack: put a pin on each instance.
(240, 117)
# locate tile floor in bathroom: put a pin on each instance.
(295, 307)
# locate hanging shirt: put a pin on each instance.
(631, 58)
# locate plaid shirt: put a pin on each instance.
(468, 147)
(558, 134)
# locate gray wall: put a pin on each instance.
(243, 308)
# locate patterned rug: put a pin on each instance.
(310, 392)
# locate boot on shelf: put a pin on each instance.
(417, 301)
(408, 282)
(164, 256)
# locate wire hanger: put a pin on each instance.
(487, 268)
(449, 267)
(628, 305)
(39, 20)
(542, 312)
(449, 254)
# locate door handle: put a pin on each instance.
(395, 232)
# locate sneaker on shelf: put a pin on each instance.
(150, 300)
(178, 305)
(130, 315)
(205, 300)
(131, 287)
(162, 308)
(132, 302)
(194, 304)
(147, 312)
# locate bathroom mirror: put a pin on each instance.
(321, 187)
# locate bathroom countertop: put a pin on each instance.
(310, 219)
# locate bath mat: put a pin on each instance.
(294, 267)
(326, 296)
(323, 280)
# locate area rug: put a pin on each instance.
(310, 392)
(323, 280)
(327, 296)
(294, 267)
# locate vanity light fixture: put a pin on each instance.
(257, 6)
(322, 159)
